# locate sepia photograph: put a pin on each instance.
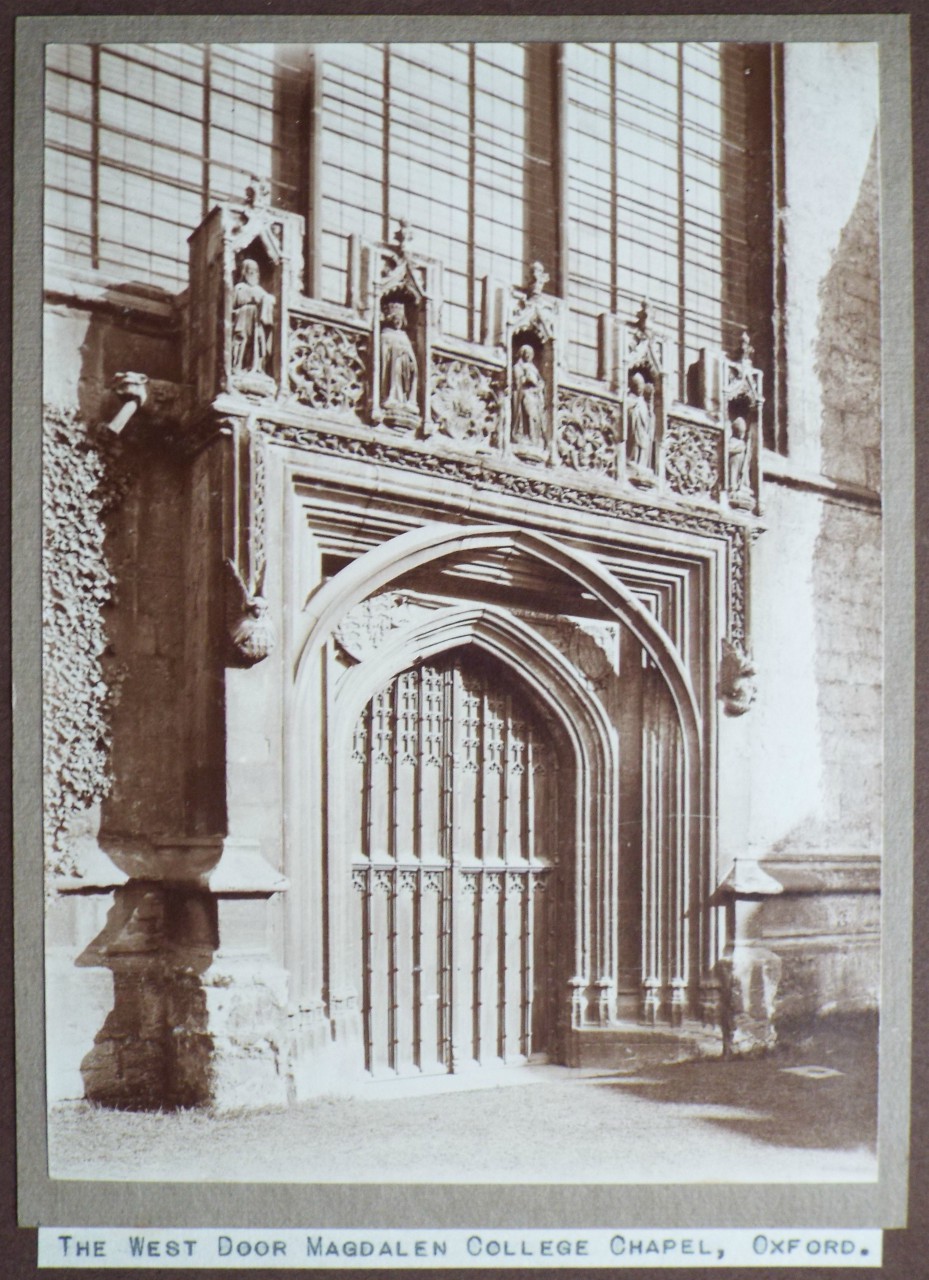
(463, 582)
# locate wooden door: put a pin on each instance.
(464, 809)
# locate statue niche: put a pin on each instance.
(532, 337)
(252, 330)
(640, 428)
(744, 406)
(739, 457)
(399, 375)
(644, 365)
(527, 422)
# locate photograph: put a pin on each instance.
(466, 470)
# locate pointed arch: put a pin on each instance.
(410, 551)
(326, 701)
(553, 682)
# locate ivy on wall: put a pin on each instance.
(76, 588)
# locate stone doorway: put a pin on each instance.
(460, 869)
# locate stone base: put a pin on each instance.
(246, 1009)
(641, 478)
(749, 978)
(631, 1045)
(153, 1050)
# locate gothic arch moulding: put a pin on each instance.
(327, 701)
(404, 554)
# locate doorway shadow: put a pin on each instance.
(819, 1090)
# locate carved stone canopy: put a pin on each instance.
(646, 347)
(744, 386)
(533, 311)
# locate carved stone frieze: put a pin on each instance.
(691, 460)
(536, 487)
(589, 433)
(257, 525)
(327, 366)
(738, 559)
(465, 400)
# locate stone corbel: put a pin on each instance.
(737, 686)
(748, 972)
(250, 630)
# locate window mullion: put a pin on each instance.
(473, 319)
(205, 131)
(681, 228)
(385, 150)
(614, 185)
(95, 153)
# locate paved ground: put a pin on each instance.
(806, 1113)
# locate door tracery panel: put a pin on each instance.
(465, 803)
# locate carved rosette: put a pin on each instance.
(327, 366)
(364, 628)
(589, 433)
(591, 647)
(465, 400)
(692, 460)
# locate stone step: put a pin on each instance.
(631, 1045)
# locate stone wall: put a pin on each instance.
(811, 758)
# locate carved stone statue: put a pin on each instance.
(528, 401)
(641, 423)
(739, 450)
(252, 322)
(399, 377)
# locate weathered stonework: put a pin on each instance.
(349, 508)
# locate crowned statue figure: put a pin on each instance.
(399, 377)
